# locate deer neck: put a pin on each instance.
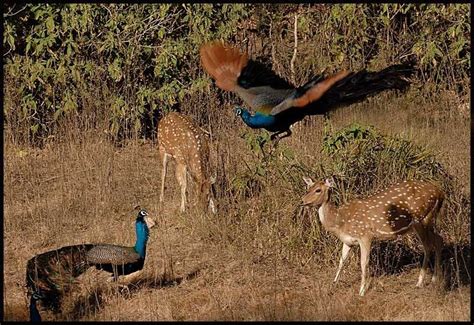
(328, 214)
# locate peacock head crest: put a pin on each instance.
(238, 110)
(142, 213)
(143, 217)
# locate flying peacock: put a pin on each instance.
(277, 103)
(49, 275)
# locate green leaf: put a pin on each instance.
(11, 41)
(50, 24)
(57, 113)
(28, 46)
(39, 48)
(34, 128)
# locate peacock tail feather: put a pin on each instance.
(52, 273)
(358, 86)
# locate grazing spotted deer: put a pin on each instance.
(406, 206)
(180, 139)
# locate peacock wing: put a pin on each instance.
(112, 254)
(259, 86)
(309, 92)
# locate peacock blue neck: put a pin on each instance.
(142, 237)
(34, 313)
(258, 120)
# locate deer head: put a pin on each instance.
(318, 192)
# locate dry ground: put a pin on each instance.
(83, 190)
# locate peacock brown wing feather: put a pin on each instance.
(308, 93)
(223, 63)
(259, 86)
(112, 254)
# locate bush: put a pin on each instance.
(117, 67)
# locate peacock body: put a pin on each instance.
(277, 103)
(49, 275)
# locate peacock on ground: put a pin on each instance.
(277, 103)
(49, 275)
(34, 313)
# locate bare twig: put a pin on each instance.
(13, 14)
(9, 50)
(274, 58)
(295, 49)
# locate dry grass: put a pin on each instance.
(250, 262)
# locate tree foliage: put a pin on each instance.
(119, 66)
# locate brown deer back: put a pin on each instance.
(391, 211)
(186, 143)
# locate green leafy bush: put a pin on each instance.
(118, 67)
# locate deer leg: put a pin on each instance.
(345, 253)
(164, 159)
(437, 241)
(211, 206)
(364, 262)
(423, 235)
(181, 177)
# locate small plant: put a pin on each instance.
(334, 142)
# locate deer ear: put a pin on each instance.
(329, 182)
(309, 182)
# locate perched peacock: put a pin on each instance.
(277, 103)
(50, 274)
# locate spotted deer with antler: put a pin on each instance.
(187, 144)
(404, 207)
